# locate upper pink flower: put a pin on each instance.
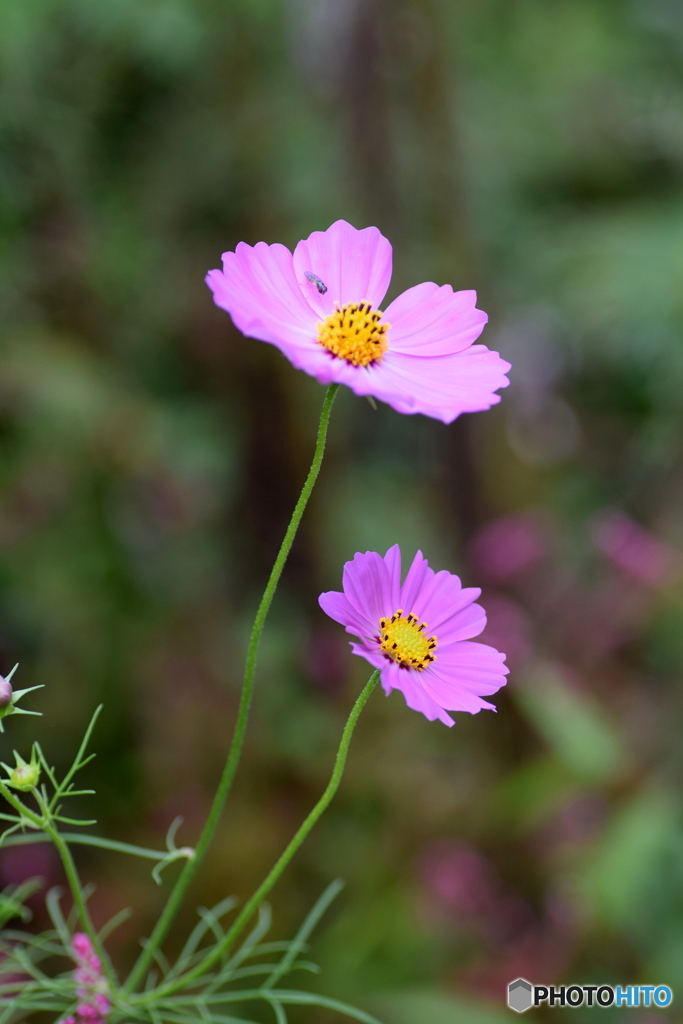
(321, 307)
(418, 633)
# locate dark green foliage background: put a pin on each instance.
(149, 458)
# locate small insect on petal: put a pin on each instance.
(314, 279)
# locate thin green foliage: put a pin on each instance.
(213, 972)
(50, 805)
(28, 988)
(12, 900)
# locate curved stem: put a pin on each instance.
(189, 869)
(271, 878)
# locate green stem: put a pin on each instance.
(252, 905)
(189, 869)
(77, 893)
(21, 808)
(70, 871)
(81, 838)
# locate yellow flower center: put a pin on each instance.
(402, 638)
(354, 332)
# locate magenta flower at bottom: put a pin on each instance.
(419, 633)
(92, 990)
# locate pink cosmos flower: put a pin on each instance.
(418, 633)
(321, 307)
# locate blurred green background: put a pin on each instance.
(150, 457)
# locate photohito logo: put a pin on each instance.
(522, 995)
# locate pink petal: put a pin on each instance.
(354, 265)
(441, 386)
(339, 608)
(428, 320)
(259, 289)
(416, 578)
(367, 585)
(374, 656)
(464, 672)
(475, 657)
(416, 696)
(392, 560)
(362, 380)
(452, 695)
(442, 597)
(463, 625)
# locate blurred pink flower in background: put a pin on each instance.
(634, 550)
(321, 307)
(604, 619)
(418, 633)
(462, 887)
(458, 878)
(577, 821)
(508, 546)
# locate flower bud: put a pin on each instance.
(5, 693)
(25, 776)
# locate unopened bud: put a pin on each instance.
(5, 692)
(9, 698)
(25, 776)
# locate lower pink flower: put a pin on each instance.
(418, 633)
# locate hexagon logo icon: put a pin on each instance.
(520, 997)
